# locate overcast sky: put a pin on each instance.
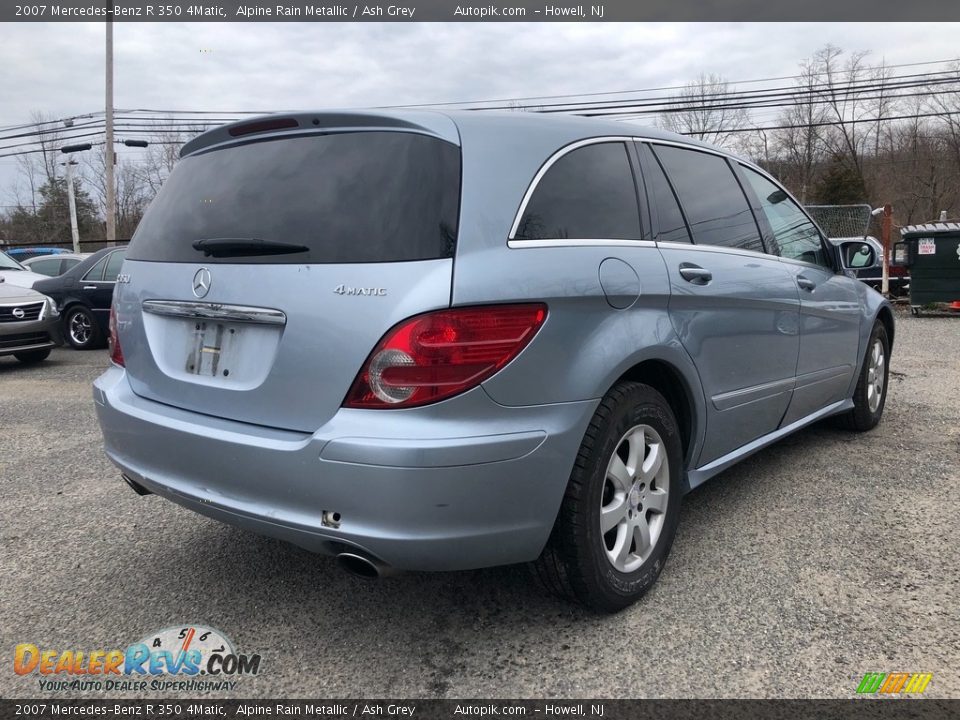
(57, 68)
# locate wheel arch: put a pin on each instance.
(70, 303)
(667, 379)
(885, 315)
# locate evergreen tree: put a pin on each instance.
(51, 221)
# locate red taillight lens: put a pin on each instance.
(263, 126)
(440, 354)
(898, 271)
(116, 354)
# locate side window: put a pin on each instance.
(113, 266)
(589, 193)
(712, 198)
(95, 273)
(47, 266)
(673, 228)
(796, 236)
(67, 264)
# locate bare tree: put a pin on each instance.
(947, 105)
(848, 107)
(38, 168)
(801, 139)
(163, 153)
(704, 110)
(130, 192)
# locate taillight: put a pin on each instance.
(116, 354)
(437, 355)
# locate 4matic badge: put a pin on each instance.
(347, 290)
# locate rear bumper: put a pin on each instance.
(464, 484)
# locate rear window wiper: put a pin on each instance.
(239, 247)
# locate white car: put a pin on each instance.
(14, 273)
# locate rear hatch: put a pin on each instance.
(319, 242)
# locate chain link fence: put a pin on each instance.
(844, 221)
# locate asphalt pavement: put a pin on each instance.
(817, 560)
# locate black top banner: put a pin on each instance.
(500, 11)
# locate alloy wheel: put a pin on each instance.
(634, 498)
(875, 376)
(81, 328)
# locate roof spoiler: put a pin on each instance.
(428, 123)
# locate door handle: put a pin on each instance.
(89, 287)
(695, 274)
(805, 283)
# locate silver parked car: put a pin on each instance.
(54, 265)
(29, 324)
(433, 341)
(14, 273)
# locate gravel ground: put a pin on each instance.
(819, 559)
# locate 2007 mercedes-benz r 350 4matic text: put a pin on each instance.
(434, 341)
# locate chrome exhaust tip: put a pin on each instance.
(359, 566)
(135, 486)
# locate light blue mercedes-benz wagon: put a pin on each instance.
(440, 341)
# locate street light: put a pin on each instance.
(74, 230)
(68, 149)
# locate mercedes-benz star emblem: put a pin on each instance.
(19, 314)
(201, 283)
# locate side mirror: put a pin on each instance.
(858, 255)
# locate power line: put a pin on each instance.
(828, 123)
(846, 88)
(838, 95)
(656, 89)
(777, 106)
(135, 124)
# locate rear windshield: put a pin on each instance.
(349, 198)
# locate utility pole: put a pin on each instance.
(74, 231)
(885, 228)
(109, 154)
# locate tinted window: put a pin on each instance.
(47, 266)
(113, 266)
(588, 193)
(796, 236)
(348, 197)
(712, 199)
(69, 263)
(672, 226)
(96, 272)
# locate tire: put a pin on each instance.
(580, 561)
(81, 329)
(32, 356)
(870, 395)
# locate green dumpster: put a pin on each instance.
(932, 252)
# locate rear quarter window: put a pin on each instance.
(96, 272)
(588, 193)
(348, 197)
